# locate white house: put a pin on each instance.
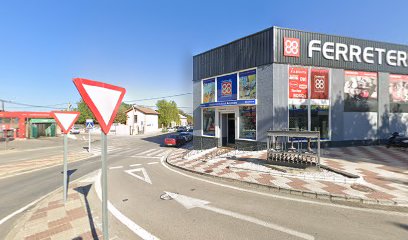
(142, 120)
(183, 120)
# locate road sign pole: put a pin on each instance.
(89, 139)
(65, 166)
(104, 154)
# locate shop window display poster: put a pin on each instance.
(360, 92)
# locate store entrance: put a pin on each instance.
(228, 129)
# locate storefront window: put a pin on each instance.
(398, 91)
(247, 84)
(320, 120)
(209, 90)
(208, 121)
(298, 117)
(247, 122)
(360, 92)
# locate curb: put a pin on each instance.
(23, 218)
(316, 195)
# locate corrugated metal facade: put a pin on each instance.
(254, 50)
(319, 61)
(266, 47)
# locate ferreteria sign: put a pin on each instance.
(314, 49)
(354, 53)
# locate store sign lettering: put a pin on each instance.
(354, 53)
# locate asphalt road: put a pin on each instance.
(199, 208)
(233, 213)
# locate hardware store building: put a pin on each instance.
(353, 91)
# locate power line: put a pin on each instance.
(146, 99)
(25, 105)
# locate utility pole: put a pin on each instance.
(2, 105)
(69, 106)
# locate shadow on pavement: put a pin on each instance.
(85, 190)
(401, 225)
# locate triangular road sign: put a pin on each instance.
(144, 176)
(65, 119)
(103, 99)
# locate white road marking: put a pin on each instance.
(157, 152)
(189, 202)
(145, 177)
(142, 233)
(140, 156)
(117, 167)
(150, 163)
(150, 150)
(287, 198)
(135, 165)
(165, 153)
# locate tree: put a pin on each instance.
(121, 116)
(87, 114)
(168, 112)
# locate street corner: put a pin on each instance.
(336, 179)
(51, 218)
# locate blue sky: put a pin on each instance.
(147, 46)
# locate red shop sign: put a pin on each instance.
(319, 81)
(298, 81)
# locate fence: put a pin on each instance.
(293, 147)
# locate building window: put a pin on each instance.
(298, 117)
(209, 90)
(247, 84)
(247, 122)
(208, 121)
(135, 119)
(320, 120)
(360, 91)
(398, 91)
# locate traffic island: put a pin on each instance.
(252, 168)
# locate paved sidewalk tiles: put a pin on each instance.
(384, 172)
(51, 219)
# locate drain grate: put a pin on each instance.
(361, 188)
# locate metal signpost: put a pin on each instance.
(104, 101)
(89, 126)
(5, 137)
(65, 121)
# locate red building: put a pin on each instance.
(22, 124)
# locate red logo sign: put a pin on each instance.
(319, 84)
(226, 88)
(291, 47)
(298, 81)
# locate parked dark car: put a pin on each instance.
(396, 140)
(187, 135)
(181, 129)
(174, 140)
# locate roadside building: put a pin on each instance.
(353, 91)
(142, 120)
(27, 124)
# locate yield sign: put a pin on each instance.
(144, 176)
(103, 99)
(65, 120)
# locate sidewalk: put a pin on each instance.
(51, 219)
(382, 172)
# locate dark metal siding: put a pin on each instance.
(251, 51)
(320, 61)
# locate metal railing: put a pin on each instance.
(293, 146)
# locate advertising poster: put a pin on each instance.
(247, 85)
(398, 90)
(360, 91)
(227, 88)
(319, 83)
(209, 90)
(209, 121)
(298, 81)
